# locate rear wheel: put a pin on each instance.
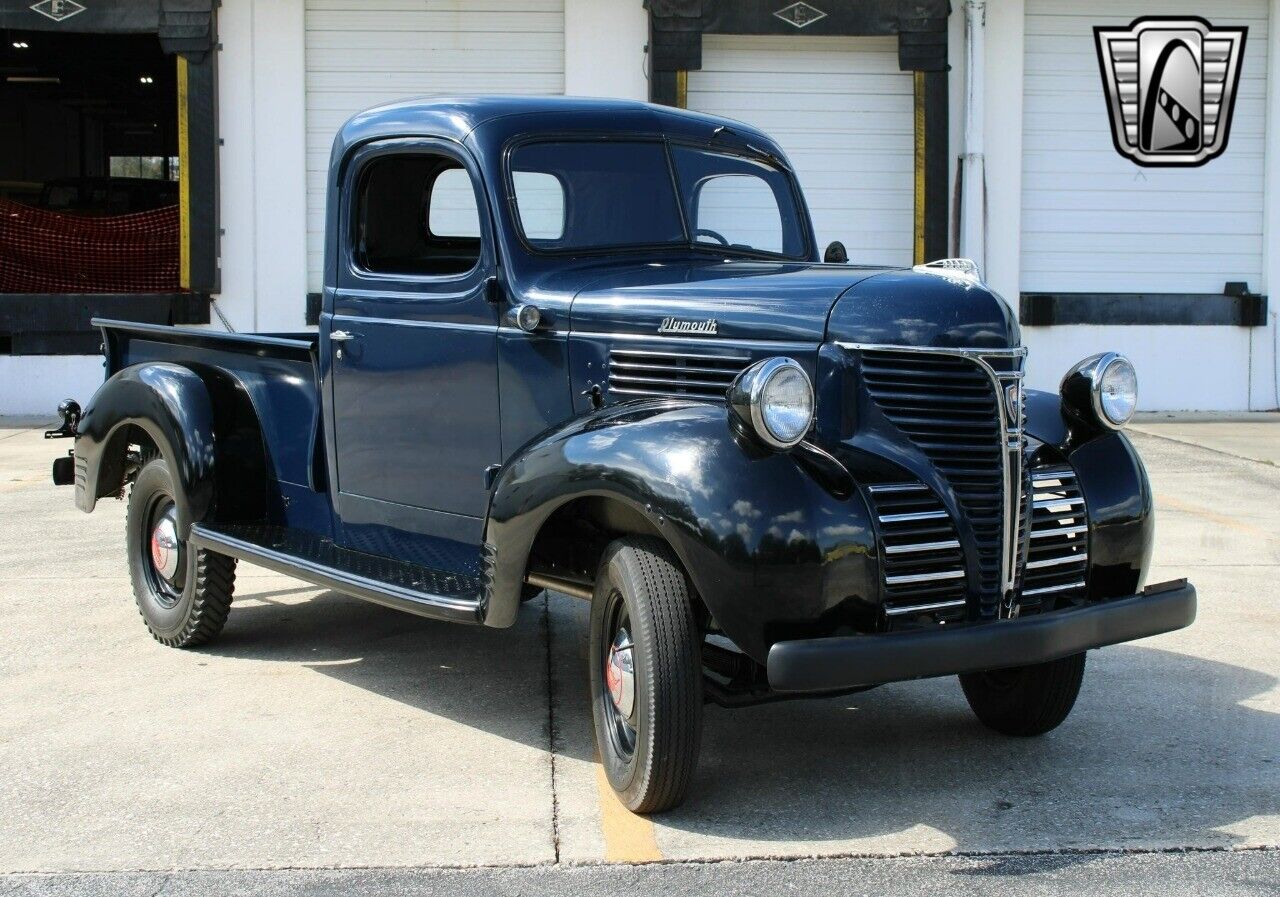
(183, 593)
(646, 675)
(1028, 700)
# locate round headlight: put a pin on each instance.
(774, 397)
(1117, 391)
(1102, 389)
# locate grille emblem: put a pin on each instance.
(708, 327)
(800, 14)
(1171, 87)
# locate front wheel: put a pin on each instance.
(183, 593)
(1028, 700)
(646, 675)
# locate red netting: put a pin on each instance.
(48, 252)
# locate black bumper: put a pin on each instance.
(831, 664)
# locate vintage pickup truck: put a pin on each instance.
(590, 346)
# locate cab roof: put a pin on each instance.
(459, 117)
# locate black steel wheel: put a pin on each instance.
(1024, 701)
(646, 675)
(183, 593)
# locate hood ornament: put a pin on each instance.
(709, 327)
(962, 271)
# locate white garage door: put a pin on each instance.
(364, 52)
(843, 113)
(1093, 221)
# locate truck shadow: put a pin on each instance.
(1163, 749)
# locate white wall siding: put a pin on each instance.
(35, 384)
(360, 54)
(842, 111)
(261, 190)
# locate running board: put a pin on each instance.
(424, 591)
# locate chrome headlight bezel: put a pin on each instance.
(1082, 387)
(748, 396)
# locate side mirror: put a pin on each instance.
(835, 254)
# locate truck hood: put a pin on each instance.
(793, 302)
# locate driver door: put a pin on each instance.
(412, 347)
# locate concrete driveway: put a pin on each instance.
(320, 732)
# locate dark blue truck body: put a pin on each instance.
(425, 451)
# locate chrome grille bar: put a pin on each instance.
(1058, 553)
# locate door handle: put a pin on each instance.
(341, 336)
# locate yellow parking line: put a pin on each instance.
(628, 838)
(1215, 517)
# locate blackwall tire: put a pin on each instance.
(190, 607)
(1028, 700)
(642, 597)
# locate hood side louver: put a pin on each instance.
(644, 372)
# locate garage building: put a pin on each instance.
(919, 130)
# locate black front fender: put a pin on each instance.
(171, 404)
(772, 552)
(1116, 490)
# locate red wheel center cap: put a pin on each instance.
(613, 677)
(159, 551)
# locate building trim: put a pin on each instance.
(59, 323)
(1236, 306)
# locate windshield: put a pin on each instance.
(606, 194)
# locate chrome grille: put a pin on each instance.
(1058, 550)
(948, 406)
(641, 372)
(920, 558)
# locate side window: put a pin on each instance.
(416, 214)
(540, 202)
(739, 210)
(452, 210)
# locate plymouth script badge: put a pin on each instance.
(689, 328)
(1170, 86)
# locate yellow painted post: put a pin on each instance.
(184, 180)
(682, 88)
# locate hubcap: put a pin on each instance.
(163, 553)
(165, 546)
(620, 674)
(618, 696)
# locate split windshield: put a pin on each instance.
(581, 195)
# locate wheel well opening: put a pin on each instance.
(121, 457)
(571, 542)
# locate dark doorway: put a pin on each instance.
(88, 164)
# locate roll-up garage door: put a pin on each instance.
(360, 53)
(843, 113)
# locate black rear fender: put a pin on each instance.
(200, 421)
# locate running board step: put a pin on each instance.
(419, 590)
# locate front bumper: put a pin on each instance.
(832, 664)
